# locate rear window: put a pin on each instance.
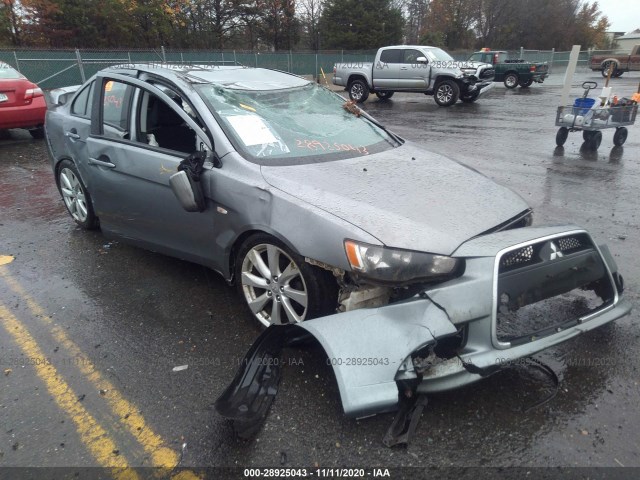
(9, 73)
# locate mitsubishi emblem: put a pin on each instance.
(550, 252)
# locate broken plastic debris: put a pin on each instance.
(179, 368)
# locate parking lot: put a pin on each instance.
(91, 329)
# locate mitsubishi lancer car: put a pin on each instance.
(414, 272)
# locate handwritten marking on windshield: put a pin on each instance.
(317, 145)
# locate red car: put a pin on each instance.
(22, 103)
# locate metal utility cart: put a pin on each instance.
(581, 116)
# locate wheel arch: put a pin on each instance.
(357, 76)
(57, 163)
(607, 60)
(248, 232)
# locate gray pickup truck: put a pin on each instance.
(410, 68)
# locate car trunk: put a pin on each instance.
(14, 91)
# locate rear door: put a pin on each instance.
(386, 71)
(129, 168)
(77, 128)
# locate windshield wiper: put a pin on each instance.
(372, 120)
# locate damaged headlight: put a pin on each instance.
(390, 265)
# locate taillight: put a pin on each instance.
(532, 68)
(31, 93)
(495, 58)
(334, 69)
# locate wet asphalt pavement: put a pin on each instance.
(133, 316)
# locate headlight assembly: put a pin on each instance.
(390, 265)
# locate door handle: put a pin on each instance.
(404, 68)
(72, 135)
(101, 163)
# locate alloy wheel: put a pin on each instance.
(273, 286)
(73, 195)
(445, 93)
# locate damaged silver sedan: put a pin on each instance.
(415, 273)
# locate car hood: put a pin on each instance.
(406, 197)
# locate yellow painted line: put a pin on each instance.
(92, 434)
(128, 414)
(6, 259)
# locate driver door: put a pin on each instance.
(139, 137)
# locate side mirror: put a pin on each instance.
(187, 191)
(421, 60)
(64, 98)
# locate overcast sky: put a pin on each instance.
(624, 15)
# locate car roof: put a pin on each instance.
(235, 77)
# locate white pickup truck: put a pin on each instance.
(412, 68)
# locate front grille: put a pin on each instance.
(517, 257)
(532, 254)
(547, 286)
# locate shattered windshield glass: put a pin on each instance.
(308, 121)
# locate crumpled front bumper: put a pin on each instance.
(372, 351)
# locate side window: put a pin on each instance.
(476, 57)
(391, 56)
(115, 112)
(411, 56)
(159, 125)
(82, 104)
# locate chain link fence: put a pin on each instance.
(59, 68)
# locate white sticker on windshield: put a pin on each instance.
(252, 130)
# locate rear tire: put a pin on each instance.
(75, 195)
(605, 70)
(620, 136)
(37, 133)
(561, 136)
(446, 93)
(511, 80)
(594, 141)
(526, 83)
(358, 91)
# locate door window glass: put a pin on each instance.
(411, 56)
(116, 111)
(82, 104)
(159, 125)
(391, 56)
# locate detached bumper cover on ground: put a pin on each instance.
(522, 291)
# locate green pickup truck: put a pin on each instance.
(512, 72)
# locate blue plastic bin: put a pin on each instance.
(583, 105)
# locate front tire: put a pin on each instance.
(511, 80)
(384, 95)
(75, 195)
(358, 91)
(278, 286)
(446, 93)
